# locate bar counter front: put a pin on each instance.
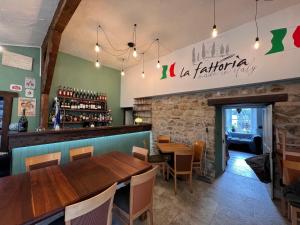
(103, 139)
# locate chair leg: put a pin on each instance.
(175, 183)
(168, 173)
(164, 171)
(283, 204)
(289, 211)
(294, 216)
(150, 212)
(191, 188)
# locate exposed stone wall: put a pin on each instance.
(185, 116)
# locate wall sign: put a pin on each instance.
(29, 93)
(29, 104)
(16, 60)
(15, 87)
(29, 82)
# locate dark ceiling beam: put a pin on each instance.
(50, 47)
(263, 99)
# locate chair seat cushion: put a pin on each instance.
(156, 159)
(121, 198)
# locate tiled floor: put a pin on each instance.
(231, 200)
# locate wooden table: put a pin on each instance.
(30, 197)
(167, 148)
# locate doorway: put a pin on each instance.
(247, 132)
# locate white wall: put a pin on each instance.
(261, 67)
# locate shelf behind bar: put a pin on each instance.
(86, 110)
(81, 99)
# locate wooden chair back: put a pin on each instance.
(198, 148)
(163, 139)
(183, 161)
(42, 161)
(140, 153)
(81, 153)
(141, 192)
(291, 171)
(93, 211)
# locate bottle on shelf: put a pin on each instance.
(23, 122)
(59, 92)
(64, 91)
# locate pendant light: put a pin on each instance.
(97, 63)
(97, 46)
(134, 53)
(214, 31)
(256, 44)
(158, 63)
(122, 71)
(143, 72)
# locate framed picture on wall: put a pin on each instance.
(29, 83)
(29, 104)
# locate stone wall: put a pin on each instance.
(185, 117)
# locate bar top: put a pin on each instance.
(69, 134)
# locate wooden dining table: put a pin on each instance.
(33, 196)
(168, 148)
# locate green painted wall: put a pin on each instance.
(10, 75)
(78, 73)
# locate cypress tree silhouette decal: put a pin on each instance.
(227, 49)
(222, 50)
(193, 56)
(213, 50)
(203, 51)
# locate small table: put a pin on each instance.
(167, 148)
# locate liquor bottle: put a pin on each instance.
(59, 91)
(23, 122)
(71, 92)
(64, 91)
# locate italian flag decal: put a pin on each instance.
(278, 37)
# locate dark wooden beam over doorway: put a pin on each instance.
(256, 99)
(50, 47)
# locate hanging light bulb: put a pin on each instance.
(97, 63)
(134, 54)
(122, 70)
(256, 44)
(97, 48)
(214, 31)
(122, 73)
(158, 65)
(143, 73)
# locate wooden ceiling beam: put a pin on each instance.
(50, 48)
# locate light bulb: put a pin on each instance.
(122, 73)
(256, 45)
(158, 65)
(143, 74)
(97, 47)
(97, 63)
(134, 54)
(215, 31)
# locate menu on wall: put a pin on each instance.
(16, 60)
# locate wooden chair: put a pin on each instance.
(163, 139)
(132, 201)
(292, 175)
(41, 161)
(93, 211)
(198, 148)
(81, 153)
(183, 163)
(140, 153)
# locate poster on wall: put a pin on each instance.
(15, 87)
(29, 83)
(16, 60)
(29, 104)
(29, 93)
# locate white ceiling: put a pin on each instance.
(178, 23)
(25, 22)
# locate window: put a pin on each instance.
(241, 120)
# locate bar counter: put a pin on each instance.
(103, 139)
